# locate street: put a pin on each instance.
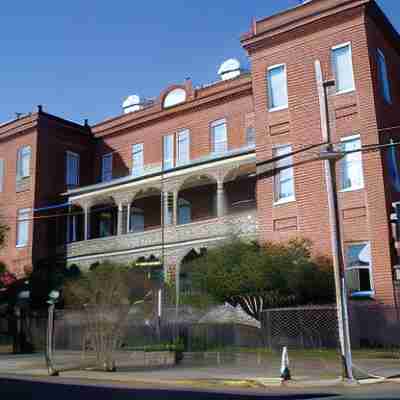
(62, 389)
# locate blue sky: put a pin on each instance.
(81, 58)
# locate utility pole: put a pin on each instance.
(330, 157)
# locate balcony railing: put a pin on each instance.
(240, 223)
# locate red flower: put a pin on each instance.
(7, 278)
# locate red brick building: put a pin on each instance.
(188, 158)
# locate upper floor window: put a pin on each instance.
(183, 147)
(351, 164)
(359, 268)
(343, 68)
(284, 179)
(219, 136)
(107, 167)
(184, 212)
(168, 150)
(2, 173)
(72, 175)
(251, 136)
(137, 159)
(23, 162)
(384, 77)
(23, 227)
(277, 87)
(174, 97)
(136, 220)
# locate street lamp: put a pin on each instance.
(54, 296)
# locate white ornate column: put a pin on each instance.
(128, 217)
(120, 216)
(86, 209)
(175, 208)
(220, 199)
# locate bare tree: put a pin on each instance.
(104, 296)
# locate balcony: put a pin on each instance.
(200, 202)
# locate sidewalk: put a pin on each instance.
(227, 375)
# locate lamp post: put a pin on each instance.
(330, 156)
(53, 298)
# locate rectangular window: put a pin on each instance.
(277, 87)
(23, 162)
(137, 159)
(183, 147)
(359, 268)
(384, 77)
(107, 167)
(284, 179)
(72, 175)
(2, 172)
(219, 136)
(72, 222)
(251, 136)
(343, 68)
(23, 227)
(351, 165)
(168, 150)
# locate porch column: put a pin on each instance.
(128, 217)
(220, 199)
(120, 216)
(175, 208)
(166, 220)
(86, 210)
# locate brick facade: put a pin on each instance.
(296, 38)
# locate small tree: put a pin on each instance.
(104, 293)
(260, 277)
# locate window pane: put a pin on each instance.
(183, 145)
(23, 162)
(277, 85)
(358, 268)
(72, 174)
(284, 180)
(251, 136)
(137, 221)
(343, 67)
(137, 159)
(351, 166)
(1, 174)
(384, 77)
(219, 138)
(23, 228)
(107, 164)
(184, 212)
(168, 149)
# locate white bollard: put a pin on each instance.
(285, 372)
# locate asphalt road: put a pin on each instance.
(16, 389)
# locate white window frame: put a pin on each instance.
(2, 173)
(168, 163)
(179, 161)
(284, 106)
(21, 173)
(351, 188)
(106, 175)
(289, 199)
(252, 143)
(337, 47)
(137, 171)
(68, 175)
(213, 125)
(383, 76)
(22, 222)
(370, 267)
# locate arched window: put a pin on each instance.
(137, 220)
(174, 97)
(184, 212)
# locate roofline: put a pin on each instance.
(151, 114)
(296, 17)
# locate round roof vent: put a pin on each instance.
(132, 103)
(229, 69)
